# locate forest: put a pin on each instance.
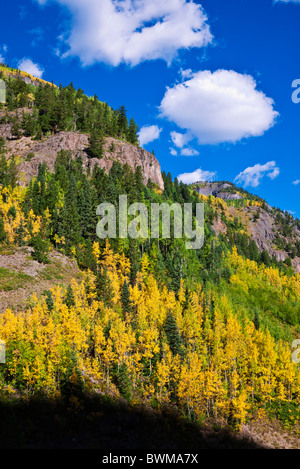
(206, 333)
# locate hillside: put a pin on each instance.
(77, 144)
(40, 120)
(128, 342)
(23, 76)
(273, 230)
(21, 276)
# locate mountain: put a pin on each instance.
(32, 109)
(77, 144)
(137, 341)
(273, 230)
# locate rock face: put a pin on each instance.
(263, 232)
(260, 223)
(222, 191)
(116, 150)
(77, 143)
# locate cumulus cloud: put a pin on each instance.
(179, 139)
(173, 152)
(133, 31)
(197, 176)
(148, 134)
(27, 65)
(218, 107)
(188, 151)
(252, 176)
(296, 182)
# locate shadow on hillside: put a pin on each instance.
(100, 424)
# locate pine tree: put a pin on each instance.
(256, 320)
(122, 122)
(132, 132)
(49, 300)
(125, 298)
(4, 176)
(96, 140)
(16, 129)
(173, 336)
(265, 258)
(70, 224)
(12, 172)
(69, 298)
(2, 231)
(104, 287)
(87, 211)
(139, 183)
(41, 248)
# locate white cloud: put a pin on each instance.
(188, 151)
(252, 176)
(27, 65)
(2, 54)
(179, 139)
(186, 73)
(296, 182)
(133, 31)
(173, 152)
(223, 106)
(148, 134)
(197, 176)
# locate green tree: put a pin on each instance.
(70, 223)
(96, 140)
(173, 336)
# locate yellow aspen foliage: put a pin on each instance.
(228, 367)
(240, 408)
(96, 252)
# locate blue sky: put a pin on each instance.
(209, 82)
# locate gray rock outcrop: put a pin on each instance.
(45, 151)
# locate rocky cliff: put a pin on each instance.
(77, 143)
(220, 190)
(260, 221)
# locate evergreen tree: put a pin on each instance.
(70, 224)
(125, 298)
(132, 132)
(41, 248)
(4, 176)
(12, 172)
(96, 141)
(87, 211)
(2, 232)
(16, 129)
(69, 298)
(256, 320)
(49, 300)
(265, 258)
(173, 336)
(104, 288)
(122, 122)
